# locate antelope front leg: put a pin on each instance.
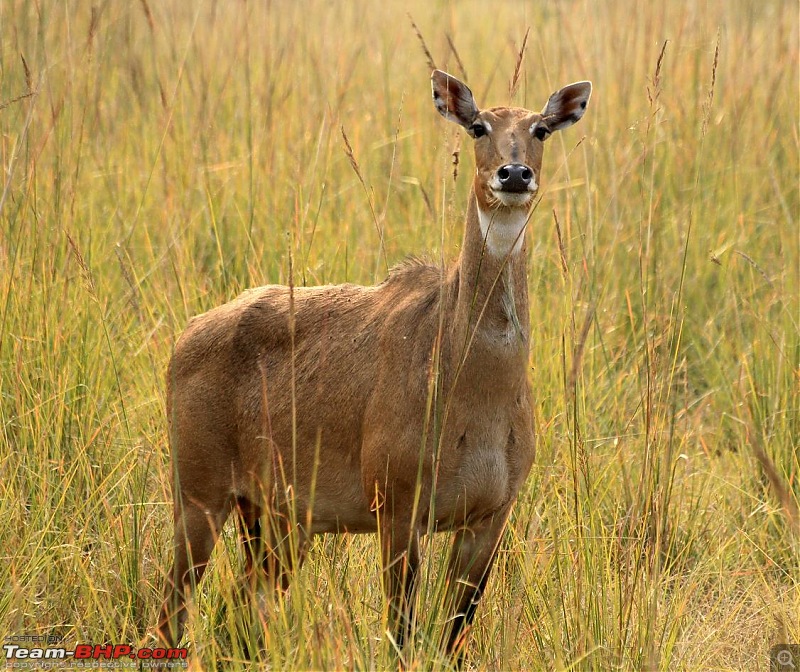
(474, 551)
(400, 553)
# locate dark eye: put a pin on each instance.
(540, 132)
(477, 130)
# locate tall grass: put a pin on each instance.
(160, 157)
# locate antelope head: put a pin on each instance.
(509, 143)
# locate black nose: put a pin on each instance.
(515, 177)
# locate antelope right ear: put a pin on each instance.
(453, 99)
(566, 106)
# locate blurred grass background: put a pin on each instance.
(158, 157)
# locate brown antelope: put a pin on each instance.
(399, 409)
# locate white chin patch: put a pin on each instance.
(513, 199)
(504, 229)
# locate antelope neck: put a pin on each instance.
(503, 230)
(492, 291)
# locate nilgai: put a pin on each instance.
(399, 409)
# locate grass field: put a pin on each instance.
(159, 157)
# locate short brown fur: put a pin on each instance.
(313, 405)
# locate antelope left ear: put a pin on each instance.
(566, 106)
(453, 99)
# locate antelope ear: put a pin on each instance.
(453, 99)
(566, 106)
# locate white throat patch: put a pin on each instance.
(503, 230)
